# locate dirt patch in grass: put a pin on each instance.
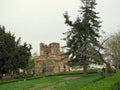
(53, 87)
(47, 89)
(70, 78)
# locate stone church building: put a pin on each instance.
(51, 59)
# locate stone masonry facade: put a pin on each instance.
(51, 59)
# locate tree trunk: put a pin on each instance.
(85, 73)
(108, 69)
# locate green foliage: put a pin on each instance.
(82, 38)
(7, 44)
(30, 64)
(13, 55)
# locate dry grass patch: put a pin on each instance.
(71, 78)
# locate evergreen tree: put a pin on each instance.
(82, 42)
(13, 55)
(7, 44)
(23, 55)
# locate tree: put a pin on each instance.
(31, 63)
(7, 44)
(24, 54)
(113, 44)
(13, 55)
(82, 40)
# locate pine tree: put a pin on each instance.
(82, 39)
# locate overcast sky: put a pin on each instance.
(37, 21)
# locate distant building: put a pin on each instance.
(51, 59)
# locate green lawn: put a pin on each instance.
(109, 83)
(60, 82)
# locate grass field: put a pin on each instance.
(111, 82)
(58, 82)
